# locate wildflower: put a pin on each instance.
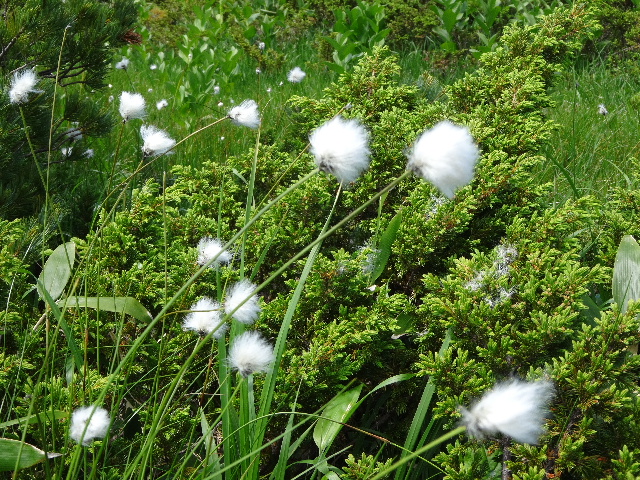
(209, 248)
(205, 317)
(22, 84)
(220, 104)
(132, 105)
(246, 114)
(340, 147)
(240, 304)
(123, 64)
(161, 104)
(280, 84)
(153, 66)
(150, 90)
(216, 90)
(602, 110)
(261, 45)
(250, 353)
(296, 75)
(446, 156)
(516, 409)
(88, 424)
(269, 90)
(89, 153)
(66, 151)
(111, 98)
(156, 141)
(258, 71)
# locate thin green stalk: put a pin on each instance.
(269, 383)
(249, 202)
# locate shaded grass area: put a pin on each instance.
(591, 152)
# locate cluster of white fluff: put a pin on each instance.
(210, 249)
(155, 141)
(22, 84)
(123, 64)
(250, 353)
(205, 317)
(296, 75)
(132, 105)
(246, 114)
(446, 156)
(341, 148)
(515, 408)
(241, 304)
(88, 424)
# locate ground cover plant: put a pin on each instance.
(318, 245)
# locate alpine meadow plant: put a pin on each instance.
(286, 347)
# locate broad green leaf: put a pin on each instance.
(29, 455)
(127, 305)
(57, 270)
(36, 418)
(335, 413)
(387, 239)
(626, 273)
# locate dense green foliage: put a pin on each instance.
(501, 281)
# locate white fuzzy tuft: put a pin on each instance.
(210, 248)
(296, 75)
(515, 408)
(446, 156)
(156, 141)
(205, 317)
(240, 304)
(22, 84)
(88, 424)
(250, 353)
(161, 104)
(132, 105)
(123, 64)
(246, 114)
(341, 148)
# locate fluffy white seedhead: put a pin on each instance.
(296, 75)
(602, 110)
(240, 304)
(250, 353)
(246, 114)
(209, 248)
(22, 84)
(73, 134)
(161, 104)
(156, 141)
(132, 105)
(515, 408)
(446, 156)
(123, 64)
(205, 317)
(88, 424)
(341, 148)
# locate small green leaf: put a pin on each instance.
(57, 270)
(335, 413)
(387, 239)
(36, 418)
(626, 273)
(11, 450)
(127, 305)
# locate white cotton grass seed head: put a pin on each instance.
(205, 317)
(246, 114)
(22, 84)
(514, 408)
(341, 148)
(88, 424)
(241, 304)
(161, 104)
(132, 105)
(446, 156)
(155, 141)
(296, 75)
(602, 110)
(123, 64)
(250, 353)
(210, 248)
